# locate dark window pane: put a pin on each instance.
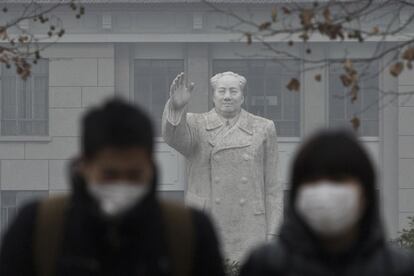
(152, 85)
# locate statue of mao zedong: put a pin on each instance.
(232, 158)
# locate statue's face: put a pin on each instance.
(228, 96)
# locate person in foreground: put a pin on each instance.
(332, 224)
(112, 223)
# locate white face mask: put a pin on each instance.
(116, 198)
(329, 208)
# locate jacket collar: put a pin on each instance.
(245, 121)
(295, 234)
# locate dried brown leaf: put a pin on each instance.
(356, 123)
(26, 65)
(304, 37)
(25, 74)
(408, 54)
(354, 93)
(274, 14)
(356, 35)
(19, 70)
(3, 33)
(333, 31)
(346, 80)
(23, 38)
(3, 59)
(353, 75)
(293, 85)
(327, 15)
(265, 26)
(286, 10)
(249, 38)
(396, 69)
(23, 68)
(306, 17)
(348, 65)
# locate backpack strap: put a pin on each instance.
(180, 237)
(48, 233)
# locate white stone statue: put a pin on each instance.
(232, 159)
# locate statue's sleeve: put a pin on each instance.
(177, 131)
(273, 187)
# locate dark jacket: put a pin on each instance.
(94, 245)
(297, 252)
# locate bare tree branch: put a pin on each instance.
(19, 46)
(347, 21)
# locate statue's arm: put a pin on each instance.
(273, 188)
(176, 130)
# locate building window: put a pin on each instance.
(266, 94)
(366, 107)
(152, 80)
(24, 103)
(11, 201)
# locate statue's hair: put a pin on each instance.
(217, 77)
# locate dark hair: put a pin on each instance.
(115, 124)
(334, 154)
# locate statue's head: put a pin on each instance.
(228, 93)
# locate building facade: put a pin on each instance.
(134, 49)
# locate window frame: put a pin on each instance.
(29, 137)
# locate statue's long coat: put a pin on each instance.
(234, 177)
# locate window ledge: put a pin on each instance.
(284, 139)
(25, 138)
(369, 139)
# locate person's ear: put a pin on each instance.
(83, 168)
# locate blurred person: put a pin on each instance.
(332, 225)
(113, 222)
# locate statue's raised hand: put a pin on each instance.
(180, 94)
